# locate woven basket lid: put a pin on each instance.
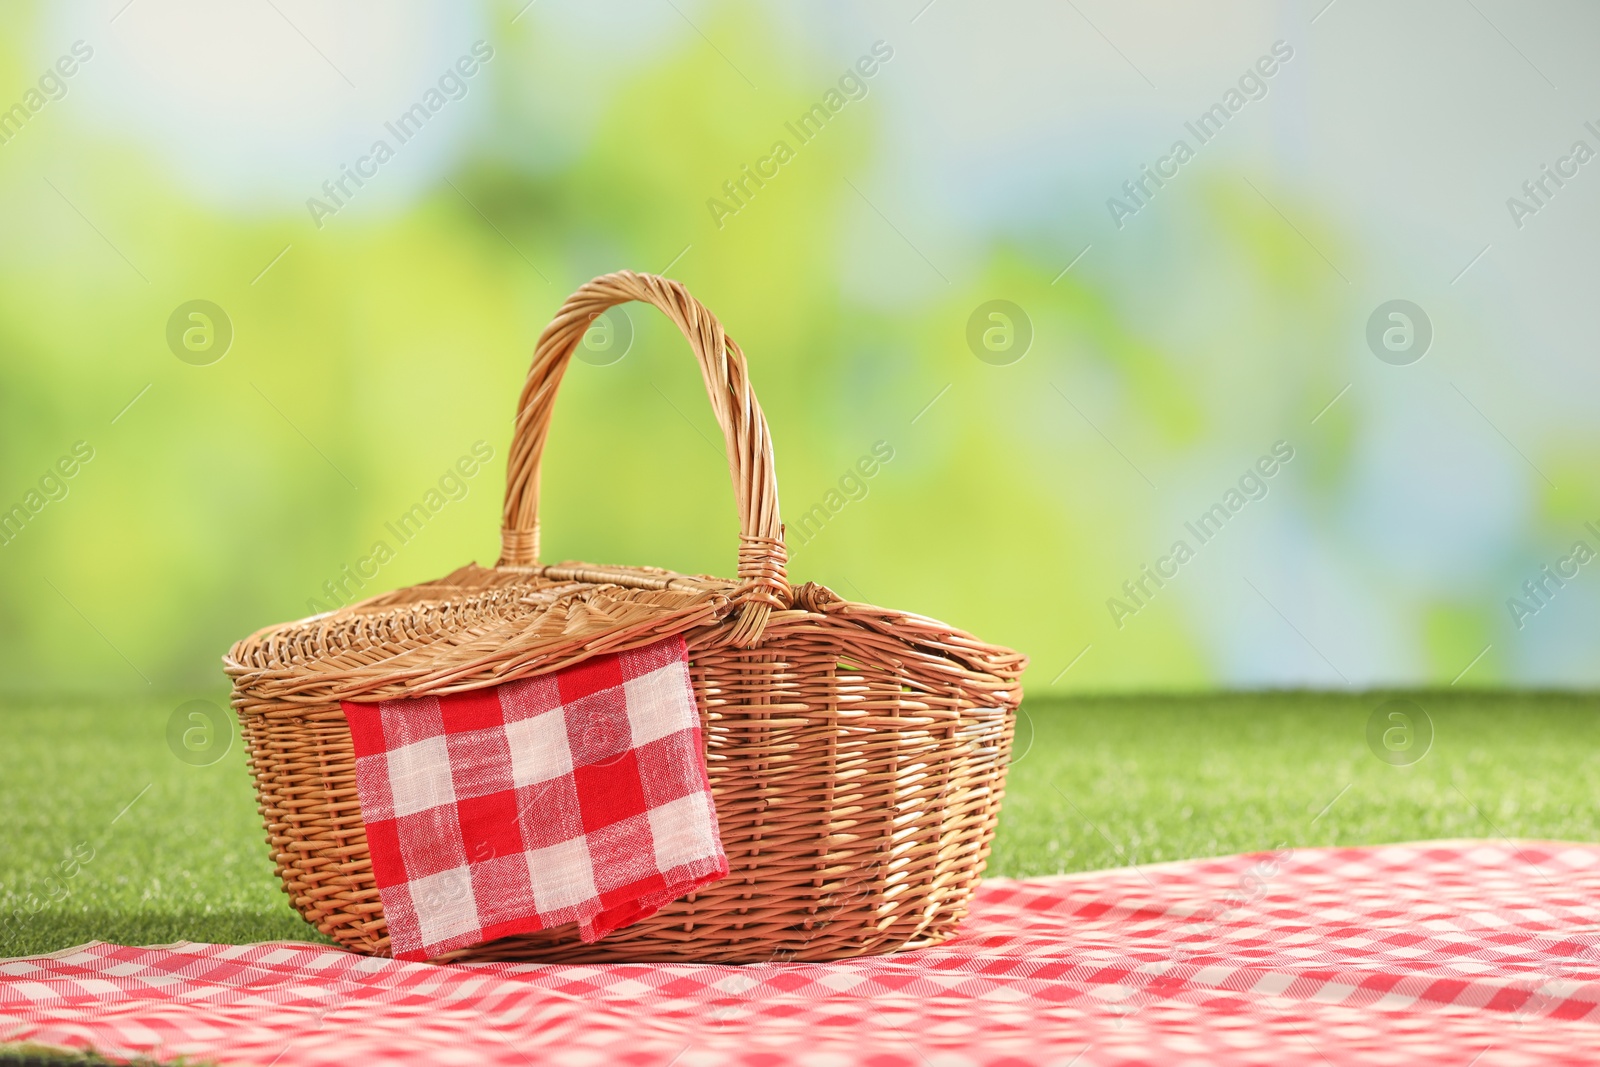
(475, 627)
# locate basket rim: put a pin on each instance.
(664, 603)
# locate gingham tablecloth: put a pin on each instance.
(1466, 954)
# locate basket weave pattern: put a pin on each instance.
(856, 754)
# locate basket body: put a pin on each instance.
(856, 754)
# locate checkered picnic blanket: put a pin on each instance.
(1455, 954)
(576, 796)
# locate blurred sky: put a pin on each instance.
(1177, 336)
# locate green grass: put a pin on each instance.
(1098, 783)
(1150, 779)
(187, 861)
(30, 1055)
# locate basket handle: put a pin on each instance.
(763, 584)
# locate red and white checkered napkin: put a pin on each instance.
(576, 796)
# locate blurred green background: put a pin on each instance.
(374, 345)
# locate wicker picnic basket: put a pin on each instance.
(856, 755)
